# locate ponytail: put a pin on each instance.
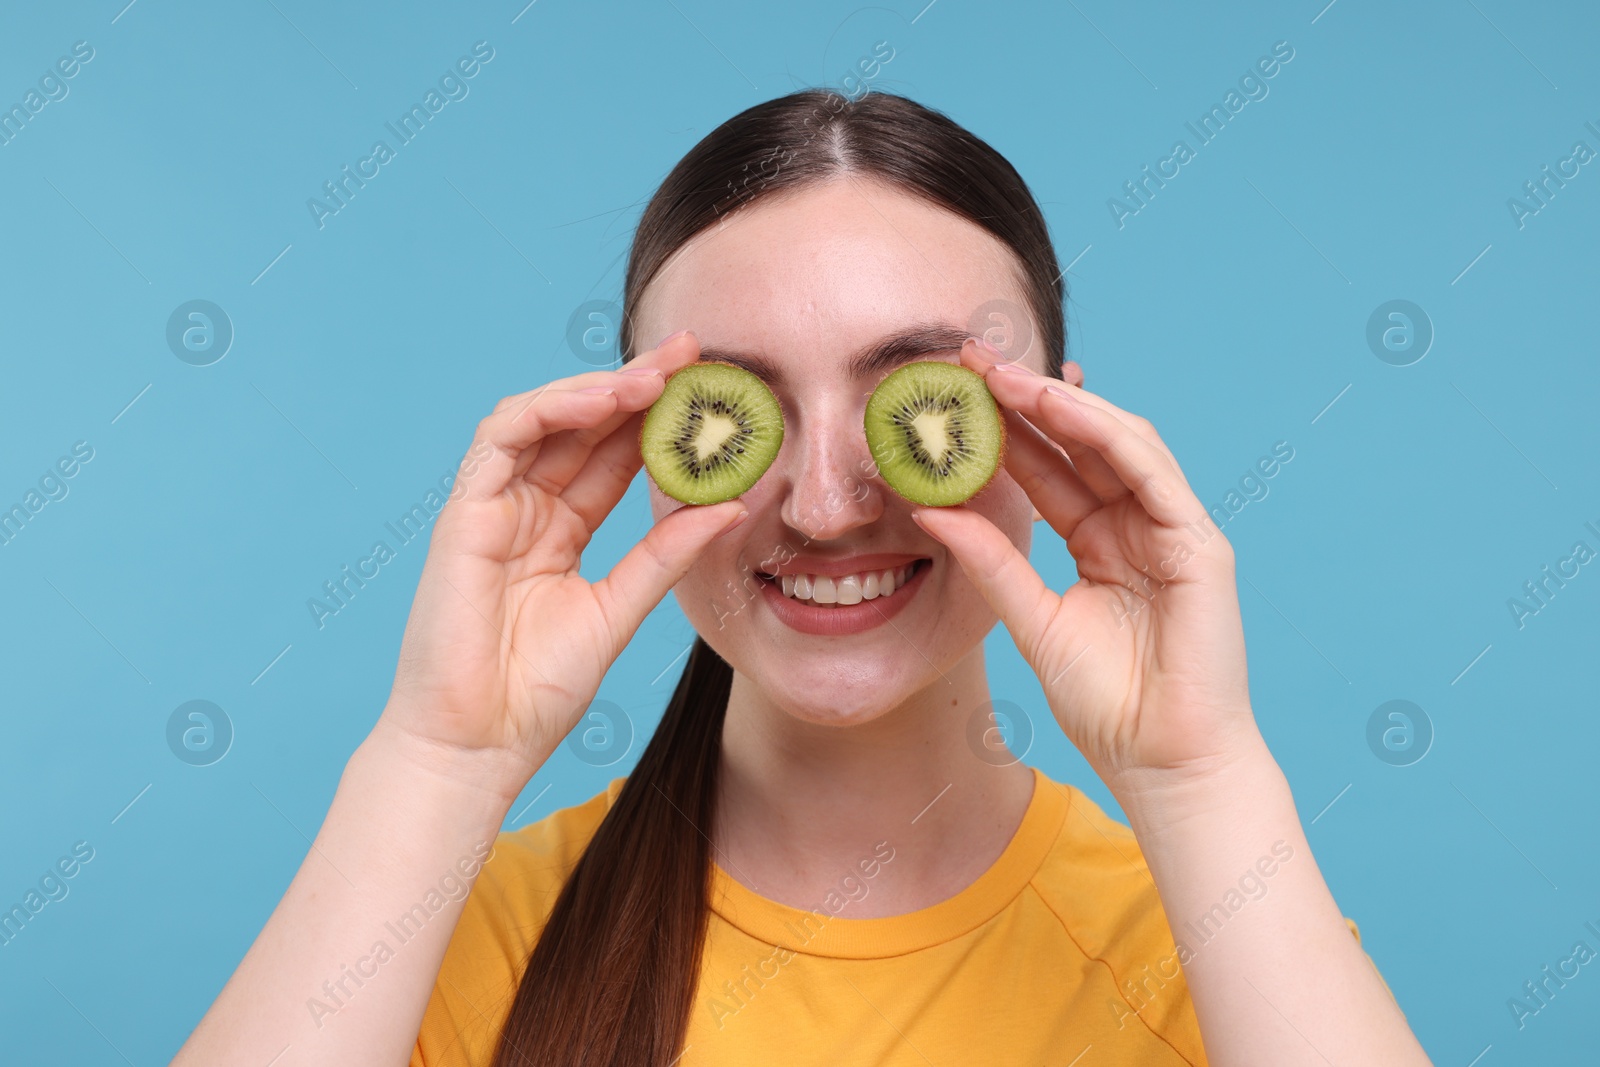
(612, 977)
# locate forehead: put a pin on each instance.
(823, 273)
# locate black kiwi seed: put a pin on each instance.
(712, 433)
(966, 431)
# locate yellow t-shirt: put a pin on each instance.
(1060, 946)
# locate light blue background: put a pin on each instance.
(1230, 311)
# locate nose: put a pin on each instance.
(832, 484)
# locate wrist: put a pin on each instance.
(479, 784)
(1233, 781)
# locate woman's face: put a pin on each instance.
(801, 285)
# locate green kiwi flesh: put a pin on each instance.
(712, 433)
(935, 432)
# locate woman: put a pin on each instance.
(819, 857)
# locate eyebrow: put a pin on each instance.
(896, 348)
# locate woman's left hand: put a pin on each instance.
(1142, 659)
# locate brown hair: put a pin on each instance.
(613, 975)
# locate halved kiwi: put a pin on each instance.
(935, 432)
(713, 431)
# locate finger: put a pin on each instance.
(590, 379)
(639, 385)
(665, 358)
(981, 360)
(999, 571)
(605, 477)
(1094, 471)
(1040, 468)
(552, 462)
(509, 433)
(1075, 419)
(1147, 471)
(653, 566)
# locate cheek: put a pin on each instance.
(1004, 503)
(661, 505)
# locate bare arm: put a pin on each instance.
(1143, 662)
(1274, 972)
(343, 969)
(505, 647)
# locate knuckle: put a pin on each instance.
(653, 552)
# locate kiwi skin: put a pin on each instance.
(1001, 448)
(711, 498)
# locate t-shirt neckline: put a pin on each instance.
(821, 932)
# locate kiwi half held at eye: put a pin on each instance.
(935, 432)
(713, 431)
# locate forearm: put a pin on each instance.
(342, 971)
(1275, 975)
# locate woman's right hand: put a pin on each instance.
(507, 643)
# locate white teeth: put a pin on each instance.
(849, 589)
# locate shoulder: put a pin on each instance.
(1097, 884)
(540, 855)
(1095, 877)
(499, 925)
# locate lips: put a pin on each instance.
(837, 604)
(845, 589)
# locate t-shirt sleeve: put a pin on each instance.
(490, 946)
(1357, 932)
(499, 926)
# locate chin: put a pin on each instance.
(827, 692)
(834, 712)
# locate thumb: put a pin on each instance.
(642, 578)
(992, 563)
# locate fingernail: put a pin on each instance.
(983, 342)
(1009, 368)
(1059, 390)
(743, 515)
(642, 370)
(597, 389)
(671, 337)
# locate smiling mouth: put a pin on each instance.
(845, 590)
